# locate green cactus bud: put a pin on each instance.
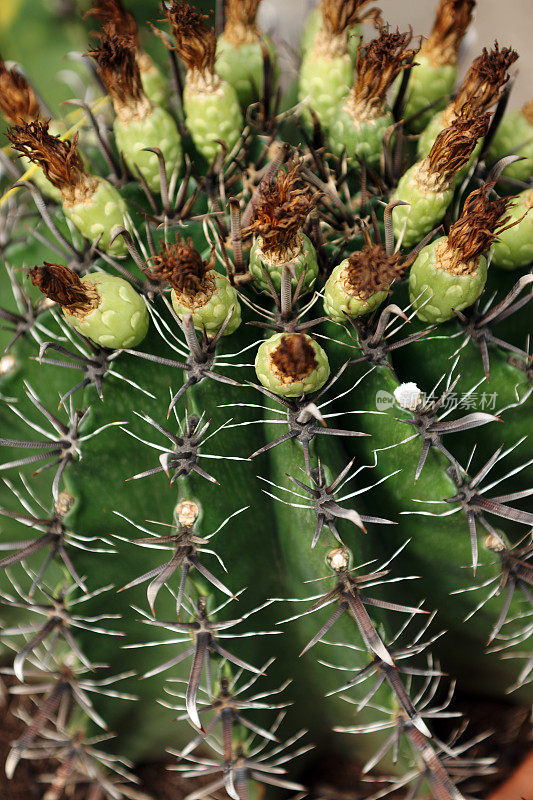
(425, 209)
(324, 82)
(359, 138)
(429, 84)
(153, 82)
(312, 26)
(98, 214)
(157, 129)
(514, 136)
(514, 246)
(209, 308)
(339, 304)
(242, 66)
(302, 257)
(104, 308)
(291, 364)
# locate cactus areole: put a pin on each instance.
(249, 521)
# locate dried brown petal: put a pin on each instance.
(59, 159)
(281, 211)
(480, 223)
(372, 270)
(18, 102)
(118, 70)
(452, 149)
(451, 23)
(482, 85)
(116, 20)
(294, 357)
(63, 286)
(241, 23)
(195, 41)
(340, 15)
(378, 63)
(181, 266)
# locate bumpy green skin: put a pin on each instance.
(242, 66)
(306, 260)
(514, 247)
(323, 84)
(311, 383)
(121, 319)
(156, 130)
(514, 136)
(338, 304)
(313, 24)
(435, 293)
(154, 85)
(425, 211)
(427, 84)
(213, 116)
(213, 313)
(99, 216)
(363, 139)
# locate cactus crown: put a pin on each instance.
(116, 20)
(451, 23)
(452, 149)
(118, 70)
(485, 79)
(18, 102)
(241, 23)
(281, 211)
(479, 225)
(182, 266)
(59, 159)
(294, 357)
(378, 63)
(63, 286)
(195, 41)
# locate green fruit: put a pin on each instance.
(306, 259)
(98, 216)
(242, 66)
(121, 319)
(324, 82)
(435, 293)
(153, 82)
(514, 136)
(359, 138)
(338, 303)
(288, 386)
(211, 116)
(158, 129)
(212, 313)
(424, 212)
(514, 247)
(312, 26)
(428, 83)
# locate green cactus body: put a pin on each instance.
(428, 83)
(514, 247)
(436, 293)
(312, 26)
(304, 258)
(211, 116)
(324, 82)
(424, 212)
(121, 319)
(338, 303)
(361, 138)
(211, 313)
(97, 216)
(286, 386)
(242, 66)
(514, 136)
(157, 129)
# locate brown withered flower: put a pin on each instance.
(338, 16)
(195, 41)
(59, 159)
(18, 102)
(117, 67)
(451, 23)
(63, 286)
(281, 211)
(181, 266)
(483, 83)
(294, 357)
(116, 20)
(478, 227)
(451, 151)
(378, 64)
(241, 25)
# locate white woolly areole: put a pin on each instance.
(408, 395)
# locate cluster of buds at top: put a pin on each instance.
(451, 23)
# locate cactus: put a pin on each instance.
(261, 524)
